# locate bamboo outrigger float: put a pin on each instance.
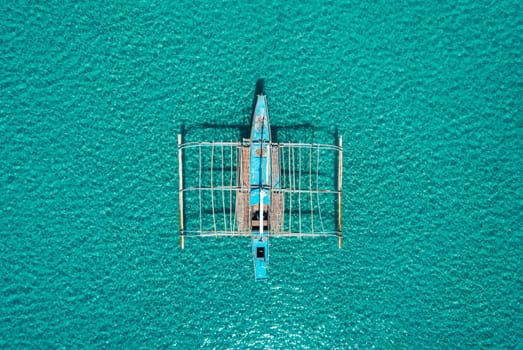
(260, 189)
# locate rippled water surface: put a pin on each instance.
(428, 97)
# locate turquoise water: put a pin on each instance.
(428, 97)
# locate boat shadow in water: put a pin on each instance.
(230, 131)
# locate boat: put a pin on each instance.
(258, 188)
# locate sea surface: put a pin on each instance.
(428, 96)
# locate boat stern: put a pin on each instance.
(260, 255)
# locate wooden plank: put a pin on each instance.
(243, 195)
(276, 208)
(246, 162)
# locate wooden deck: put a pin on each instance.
(243, 194)
(243, 209)
(277, 203)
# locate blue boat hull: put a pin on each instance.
(260, 181)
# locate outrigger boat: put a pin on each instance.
(260, 189)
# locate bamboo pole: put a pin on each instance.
(230, 194)
(180, 190)
(299, 192)
(340, 179)
(292, 182)
(310, 190)
(223, 190)
(212, 189)
(200, 185)
(318, 187)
